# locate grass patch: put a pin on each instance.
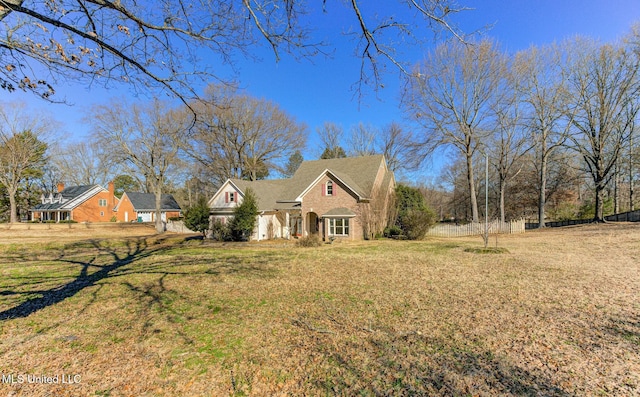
(166, 316)
(487, 250)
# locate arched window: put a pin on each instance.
(330, 188)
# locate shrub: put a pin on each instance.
(68, 221)
(196, 218)
(220, 231)
(416, 223)
(244, 217)
(313, 240)
(392, 231)
(414, 218)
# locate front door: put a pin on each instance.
(312, 223)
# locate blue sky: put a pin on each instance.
(321, 89)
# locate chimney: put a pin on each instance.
(112, 197)
(60, 187)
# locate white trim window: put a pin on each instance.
(102, 202)
(329, 188)
(230, 197)
(338, 226)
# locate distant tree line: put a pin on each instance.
(556, 124)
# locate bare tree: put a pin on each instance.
(143, 138)
(604, 87)
(362, 140)
(544, 97)
(83, 163)
(395, 143)
(331, 135)
(22, 152)
(239, 136)
(101, 41)
(509, 143)
(450, 95)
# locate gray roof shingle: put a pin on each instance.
(147, 202)
(68, 196)
(358, 173)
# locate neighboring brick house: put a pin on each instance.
(87, 203)
(141, 207)
(344, 198)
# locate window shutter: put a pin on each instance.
(324, 189)
(335, 189)
(226, 197)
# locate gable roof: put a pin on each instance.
(147, 202)
(268, 192)
(357, 174)
(69, 198)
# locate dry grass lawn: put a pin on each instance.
(558, 315)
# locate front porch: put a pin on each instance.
(48, 216)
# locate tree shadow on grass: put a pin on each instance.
(118, 259)
(408, 366)
(136, 249)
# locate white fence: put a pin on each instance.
(476, 229)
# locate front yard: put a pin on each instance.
(558, 314)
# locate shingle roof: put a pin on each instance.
(268, 192)
(147, 202)
(359, 173)
(71, 198)
(339, 213)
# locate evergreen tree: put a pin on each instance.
(414, 217)
(245, 217)
(336, 152)
(196, 218)
(293, 164)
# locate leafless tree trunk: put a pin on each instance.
(146, 139)
(604, 86)
(450, 95)
(510, 143)
(545, 97)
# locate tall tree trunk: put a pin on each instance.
(542, 193)
(472, 189)
(631, 206)
(158, 212)
(13, 205)
(503, 188)
(599, 202)
(616, 192)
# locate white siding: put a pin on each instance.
(219, 200)
(267, 227)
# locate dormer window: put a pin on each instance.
(329, 188)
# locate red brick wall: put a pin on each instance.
(125, 206)
(91, 211)
(314, 201)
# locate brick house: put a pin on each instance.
(141, 207)
(86, 203)
(346, 198)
